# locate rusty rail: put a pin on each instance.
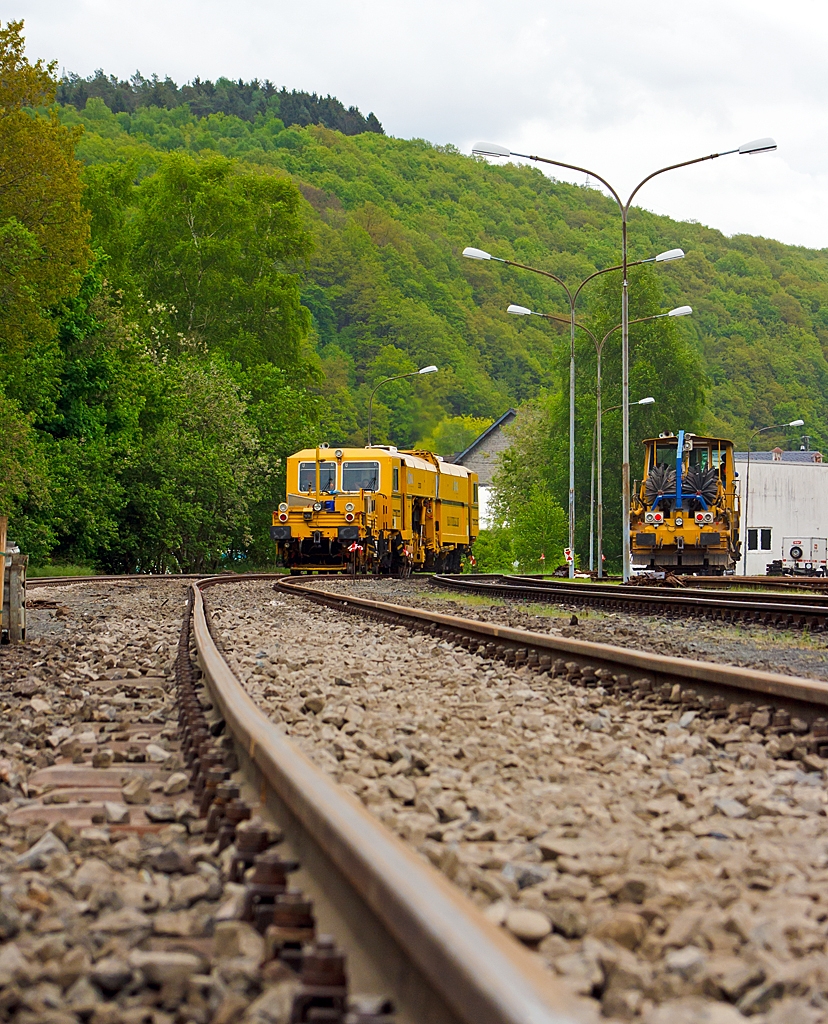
(482, 973)
(780, 610)
(660, 668)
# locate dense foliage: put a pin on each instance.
(246, 100)
(151, 382)
(280, 272)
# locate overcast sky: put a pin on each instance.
(623, 88)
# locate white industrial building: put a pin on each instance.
(787, 508)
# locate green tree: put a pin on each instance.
(192, 484)
(493, 551)
(286, 419)
(454, 434)
(44, 232)
(217, 246)
(538, 527)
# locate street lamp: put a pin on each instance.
(399, 376)
(489, 149)
(761, 430)
(599, 348)
(663, 257)
(613, 408)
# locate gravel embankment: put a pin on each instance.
(671, 866)
(790, 651)
(101, 921)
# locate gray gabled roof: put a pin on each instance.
(507, 417)
(807, 457)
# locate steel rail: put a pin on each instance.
(815, 583)
(662, 668)
(787, 609)
(57, 581)
(745, 584)
(481, 972)
(697, 592)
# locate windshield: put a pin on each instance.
(699, 458)
(307, 476)
(360, 476)
(666, 455)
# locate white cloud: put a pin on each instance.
(622, 88)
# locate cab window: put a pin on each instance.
(307, 476)
(395, 485)
(699, 458)
(360, 476)
(666, 455)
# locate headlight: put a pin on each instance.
(349, 507)
(338, 453)
(679, 521)
(317, 506)
(283, 507)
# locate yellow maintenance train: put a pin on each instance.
(685, 516)
(376, 510)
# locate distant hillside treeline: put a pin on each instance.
(387, 284)
(245, 100)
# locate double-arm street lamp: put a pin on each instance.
(599, 348)
(663, 257)
(613, 408)
(386, 380)
(488, 149)
(761, 430)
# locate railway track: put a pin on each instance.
(406, 931)
(693, 684)
(780, 611)
(804, 583)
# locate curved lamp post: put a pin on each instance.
(490, 149)
(613, 408)
(761, 430)
(399, 376)
(663, 257)
(599, 348)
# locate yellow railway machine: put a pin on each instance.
(685, 516)
(375, 510)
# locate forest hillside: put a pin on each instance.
(387, 287)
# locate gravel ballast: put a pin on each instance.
(789, 651)
(671, 866)
(121, 914)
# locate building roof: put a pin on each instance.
(507, 417)
(777, 455)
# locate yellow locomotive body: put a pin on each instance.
(685, 515)
(376, 510)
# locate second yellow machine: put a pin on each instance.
(375, 510)
(685, 517)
